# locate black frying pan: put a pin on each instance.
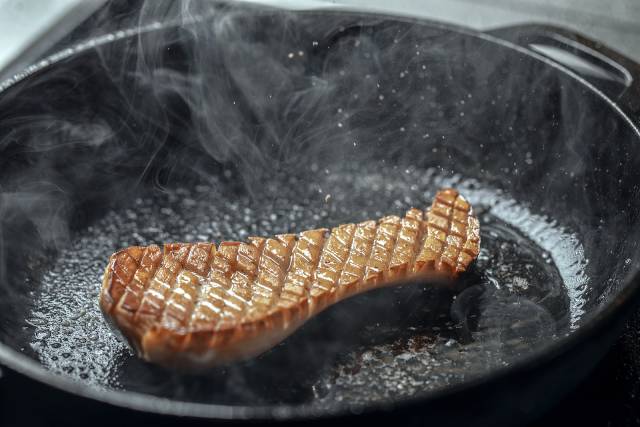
(257, 121)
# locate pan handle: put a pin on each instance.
(614, 74)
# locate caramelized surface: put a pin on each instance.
(194, 305)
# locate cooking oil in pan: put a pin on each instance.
(525, 289)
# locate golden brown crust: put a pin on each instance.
(194, 305)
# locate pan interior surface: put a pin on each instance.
(169, 136)
(407, 340)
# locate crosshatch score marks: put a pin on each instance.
(201, 304)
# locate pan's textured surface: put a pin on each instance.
(193, 305)
(526, 287)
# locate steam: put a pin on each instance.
(250, 94)
(251, 104)
(44, 204)
(36, 203)
(179, 92)
(250, 100)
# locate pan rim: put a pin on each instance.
(29, 367)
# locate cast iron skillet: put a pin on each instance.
(260, 121)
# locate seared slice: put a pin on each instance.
(195, 305)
